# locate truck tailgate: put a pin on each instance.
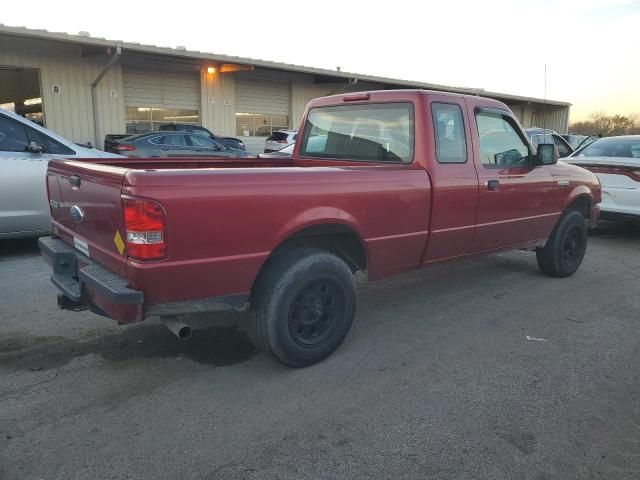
(86, 208)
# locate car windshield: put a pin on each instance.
(625, 147)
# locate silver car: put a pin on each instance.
(25, 150)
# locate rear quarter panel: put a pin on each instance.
(223, 223)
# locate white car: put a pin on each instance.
(25, 150)
(616, 162)
(277, 140)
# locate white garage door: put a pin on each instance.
(156, 88)
(256, 95)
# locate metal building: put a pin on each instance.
(84, 87)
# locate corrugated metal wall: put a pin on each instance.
(258, 92)
(157, 88)
(218, 92)
(69, 112)
(557, 119)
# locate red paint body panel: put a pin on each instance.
(225, 216)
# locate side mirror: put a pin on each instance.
(546, 154)
(34, 147)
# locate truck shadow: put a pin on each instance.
(217, 346)
(25, 247)
(624, 231)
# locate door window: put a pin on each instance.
(500, 144)
(13, 136)
(448, 126)
(202, 142)
(563, 150)
(174, 140)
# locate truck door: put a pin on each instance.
(454, 181)
(23, 195)
(516, 198)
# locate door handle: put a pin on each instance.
(492, 185)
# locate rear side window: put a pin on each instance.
(13, 136)
(49, 144)
(380, 132)
(448, 126)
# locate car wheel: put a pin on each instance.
(565, 248)
(303, 306)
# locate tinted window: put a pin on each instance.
(371, 132)
(448, 125)
(500, 144)
(49, 144)
(13, 136)
(203, 142)
(613, 147)
(174, 140)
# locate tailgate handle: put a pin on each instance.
(74, 180)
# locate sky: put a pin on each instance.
(591, 48)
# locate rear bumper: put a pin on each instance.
(85, 284)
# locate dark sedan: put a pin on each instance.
(199, 130)
(174, 144)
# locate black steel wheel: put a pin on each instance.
(303, 306)
(565, 249)
(316, 311)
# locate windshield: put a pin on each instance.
(625, 147)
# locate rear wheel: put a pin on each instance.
(303, 306)
(565, 249)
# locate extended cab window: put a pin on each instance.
(448, 126)
(380, 132)
(500, 144)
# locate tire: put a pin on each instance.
(565, 248)
(303, 306)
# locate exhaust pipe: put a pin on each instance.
(178, 328)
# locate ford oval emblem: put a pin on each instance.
(76, 213)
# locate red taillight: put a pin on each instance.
(124, 148)
(282, 141)
(144, 223)
(630, 172)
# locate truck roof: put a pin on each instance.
(400, 94)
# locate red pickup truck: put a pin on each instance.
(381, 182)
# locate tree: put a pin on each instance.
(608, 125)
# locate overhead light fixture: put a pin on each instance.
(33, 101)
(211, 69)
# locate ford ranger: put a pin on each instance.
(380, 182)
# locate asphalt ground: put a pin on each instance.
(485, 369)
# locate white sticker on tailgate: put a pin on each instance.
(81, 245)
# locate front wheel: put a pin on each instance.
(303, 306)
(565, 248)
